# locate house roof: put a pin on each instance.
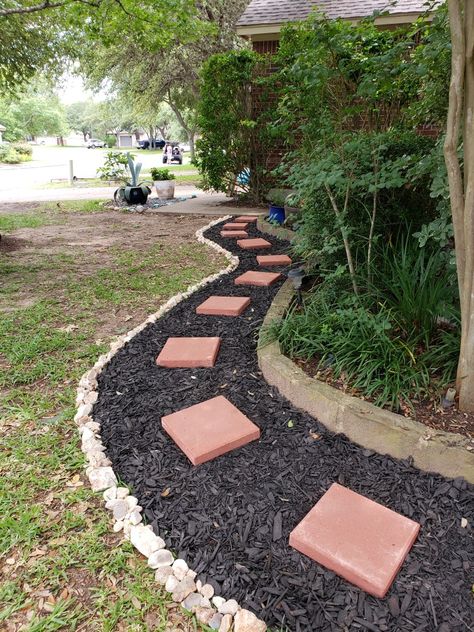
(261, 12)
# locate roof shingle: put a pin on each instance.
(280, 11)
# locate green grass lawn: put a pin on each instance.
(62, 567)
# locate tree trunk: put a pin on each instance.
(192, 149)
(345, 237)
(461, 183)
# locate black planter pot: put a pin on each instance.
(137, 195)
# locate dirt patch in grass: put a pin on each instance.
(79, 279)
(10, 244)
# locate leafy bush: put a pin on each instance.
(111, 140)
(9, 156)
(161, 174)
(235, 103)
(115, 166)
(25, 150)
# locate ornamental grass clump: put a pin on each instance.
(396, 343)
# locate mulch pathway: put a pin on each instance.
(231, 518)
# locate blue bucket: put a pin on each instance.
(277, 214)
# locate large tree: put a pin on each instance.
(37, 111)
(460, 129)
(41, 35)
(151, 72)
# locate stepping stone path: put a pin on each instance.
(210, 429)
(274, 260)
(254, 244)
(189, 353)
(224, 305)
(234, 233)
(358, 539)
(259, 279)
(246, 218)
(235, 226)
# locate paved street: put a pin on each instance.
(24, 182)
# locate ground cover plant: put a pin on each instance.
(72, 278)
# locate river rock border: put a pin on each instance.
(449, 454)
(173, 574)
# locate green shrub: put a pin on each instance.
(161, 174)
(25, 150)
(9, 156)
(111, 140)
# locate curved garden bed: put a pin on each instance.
(230, 518)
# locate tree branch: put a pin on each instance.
(47, 4)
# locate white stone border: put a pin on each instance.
(175, 575)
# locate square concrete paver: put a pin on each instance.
(235, 226)
(246, 218)
(254, 244)
(274, 260)
(224, 306)
(189, 353)
(210, 429)
(360, 540)
(234, 233)
(261, 279)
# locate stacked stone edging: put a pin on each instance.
(173, 574)
(362, 422)
(276, 231)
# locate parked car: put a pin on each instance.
(185, 147)
(93, 143)
(176, 156)
(155, 143)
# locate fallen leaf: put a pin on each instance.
(136, 602)
(69, 328)
(166, 492)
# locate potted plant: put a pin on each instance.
(133, 192)
(277, 199)
(163, 180)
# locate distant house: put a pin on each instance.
(263, 20)
(2, 129)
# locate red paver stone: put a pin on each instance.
(262, 279)
(234, 233)
(246, 218)
(189, 353)
(224, 305)
(274, 260)
(357, 538)
(254, 244)
(236, 226)
(210, 429)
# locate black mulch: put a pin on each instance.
(231, 518)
